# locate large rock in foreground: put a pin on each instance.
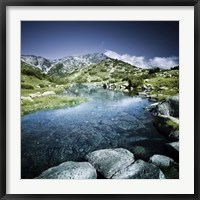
(110, 161)
(70, 170)
(140, 170)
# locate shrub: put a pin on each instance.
(41, 85)
(103, 70)
(26, 86)
(175, 68)
(154, 70)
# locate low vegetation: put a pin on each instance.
(122, 76)
(157, 82)
(33, 82)
(49, 102)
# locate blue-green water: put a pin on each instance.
(108, 120)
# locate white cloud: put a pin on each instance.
(162, 62)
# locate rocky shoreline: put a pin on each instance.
(114, 164)
(120, 163)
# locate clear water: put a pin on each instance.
(108, 120)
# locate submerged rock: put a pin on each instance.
(140, 170)
(70, 170)
(110, 161)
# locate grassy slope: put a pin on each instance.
(164, 83)
(33, 81)
(49, 102)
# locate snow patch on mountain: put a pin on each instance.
(161, 62)
(37, 61)
(69, 63)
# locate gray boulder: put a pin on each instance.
(174, 145)
(70, 170)
(151, 107)
(174, 103)
(163, 109)
(169, 107)
(167, 165)
(140, 170)
(110, 161)
(161, 161)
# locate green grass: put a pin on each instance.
(33, 81)
(171, 83)
(172, 124)
(31, 84)
(114, 72)
(108, 71)
(50, 102)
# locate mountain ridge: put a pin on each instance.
(68, 63)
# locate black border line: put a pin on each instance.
(4, 4)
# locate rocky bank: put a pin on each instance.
(114, 164)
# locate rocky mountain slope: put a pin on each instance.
(60, 67)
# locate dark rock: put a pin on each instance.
(169, 126)
(110, 161)
(70, 170)
(140, 170)
(174, 103)
(173, 150)
(167, 165)
(105, 86)
(172, 172)
(142, 152)
(174, 135)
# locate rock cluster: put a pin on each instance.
(114, 164)
(167, 117)
(167, 122)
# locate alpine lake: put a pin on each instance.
(109, 119)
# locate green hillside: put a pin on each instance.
(40, 90)
(128, 78)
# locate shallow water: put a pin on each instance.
(108, 120)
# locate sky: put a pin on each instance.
(143, 41)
